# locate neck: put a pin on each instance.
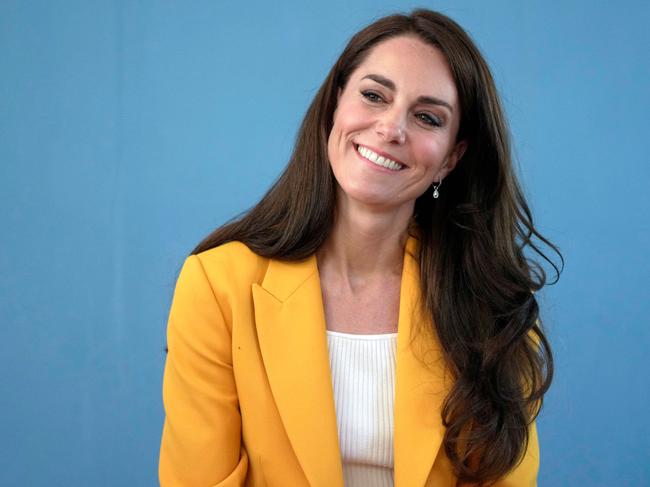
(365, 243)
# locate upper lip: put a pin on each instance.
(380, 152)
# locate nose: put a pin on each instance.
(391, 127)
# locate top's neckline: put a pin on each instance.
(361, 336)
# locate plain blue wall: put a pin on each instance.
(129, 129)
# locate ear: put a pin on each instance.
(338, 94)
(452, 159)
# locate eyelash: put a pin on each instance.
(373, 97)
(368, 95)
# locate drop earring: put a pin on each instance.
(436, 194)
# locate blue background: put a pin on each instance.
(129, 130)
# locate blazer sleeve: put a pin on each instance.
(201, 440)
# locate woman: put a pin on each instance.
(364, 320)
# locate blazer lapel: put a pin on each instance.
(291, 329)
(420, 382)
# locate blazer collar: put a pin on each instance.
(291, 330)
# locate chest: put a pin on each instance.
(370, 309)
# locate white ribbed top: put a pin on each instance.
(363, 378)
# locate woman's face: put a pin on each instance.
(395, 125)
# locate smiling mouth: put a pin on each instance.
(378, 160)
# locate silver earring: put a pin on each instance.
(435, 189)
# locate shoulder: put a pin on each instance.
(231, 251)
(231, 264)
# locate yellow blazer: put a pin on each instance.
(247, 387)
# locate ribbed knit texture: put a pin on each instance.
(363, 378)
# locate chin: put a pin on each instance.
(366, 197)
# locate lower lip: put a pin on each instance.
(373, 165)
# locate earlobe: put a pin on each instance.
(456, 155)
(460, 150)
(452, 160)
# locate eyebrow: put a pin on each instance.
(429, 100)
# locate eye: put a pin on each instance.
(429, 119)
(372, 96)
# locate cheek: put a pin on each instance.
(429, 154)
(345, 125)
(334, 137)
(350, 117)
(337, 127)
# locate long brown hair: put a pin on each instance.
(477, 274)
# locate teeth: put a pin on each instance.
(379, 160)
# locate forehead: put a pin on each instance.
(414, 66)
